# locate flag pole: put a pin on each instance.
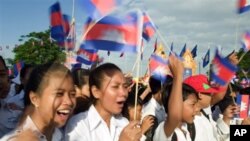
(242, 56)
(139, 42)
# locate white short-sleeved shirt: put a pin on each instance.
(155, 109)
(8, 117)
(29, 124)
(89, 126)
(209, 130)
(160, 135)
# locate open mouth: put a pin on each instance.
(64, 114)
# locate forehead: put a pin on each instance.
(192, 97)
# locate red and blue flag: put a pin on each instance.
(222, 70)
(149, 28)
(86, 56)
(99, 8)
(158, 67)
(56, 22)
(113, 33)
(17, 67)
(243, 6)
(246, 41)
(71, 38)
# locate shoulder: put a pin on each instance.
(160, 135)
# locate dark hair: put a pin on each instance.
(186, 91)
(155, 85)
(96, 76)
(4, 64)
(130, 102)
(80, 77)
(39, 78)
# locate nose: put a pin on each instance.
(69, 100)
(124, 92)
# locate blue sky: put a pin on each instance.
(207, 23)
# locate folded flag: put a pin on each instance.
(222, 70)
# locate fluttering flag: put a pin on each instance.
(115, 33)
(71, 38)
(158, 67)
(99, 8)
(17, 67)
(66, 24)
(246, 41)
(206, 59)
(183, 50)
(86, 56)
(149, 28)
(194, 51)
(243, 6)
(56, 23)
(222, 70)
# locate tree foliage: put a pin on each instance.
(244, 65)
(38, 49)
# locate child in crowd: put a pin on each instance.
(51, 93)
(103, 120)
(179, 102)
(207, 128)
(81, 81)
(148, 124)
(154, 107)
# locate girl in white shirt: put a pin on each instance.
(103, 122)
(51, 97)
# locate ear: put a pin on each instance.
(34, 99)
(96, 92)
(200, 95)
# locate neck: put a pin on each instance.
(45, 128)
(157, 97)
(106, 116)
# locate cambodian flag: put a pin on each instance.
(243, 101)
(149, 28)
(243, 6)
(246, 41)
(99, 8)
(66, 24)
(56, 22)
(86, 56)
(222, 70)
(17, 67)
(158, 67)
(113, 33)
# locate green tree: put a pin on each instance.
(244, 65)
(38, 49)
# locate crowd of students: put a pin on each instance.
(49, 102)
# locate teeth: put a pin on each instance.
(64, 111)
